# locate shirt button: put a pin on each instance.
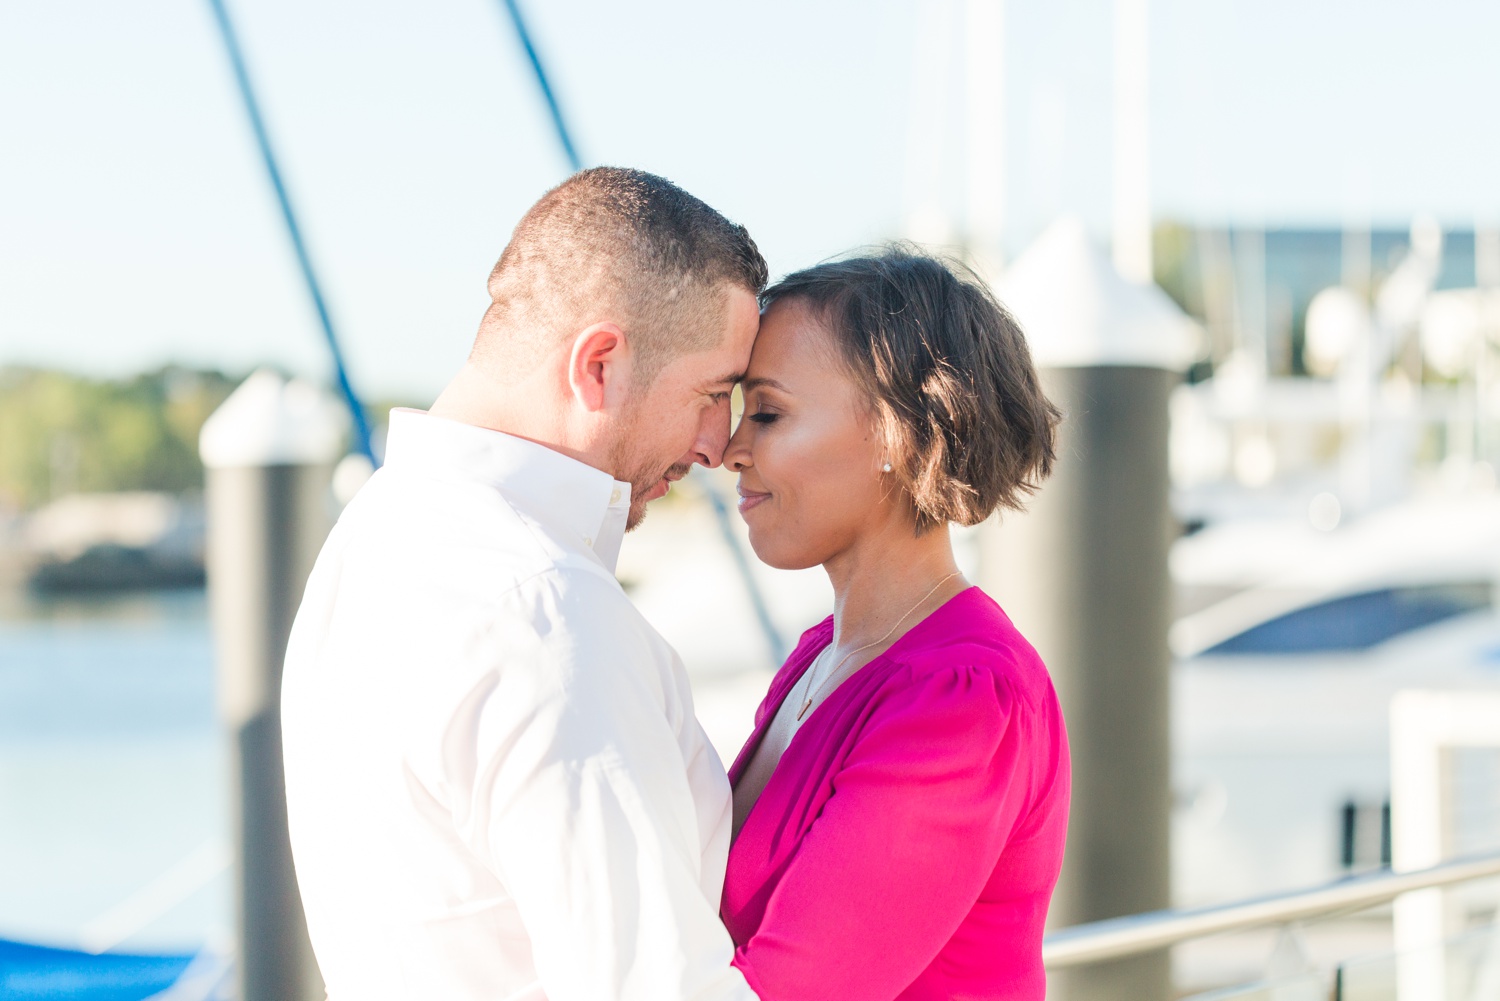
(614, 496)
(587, 541)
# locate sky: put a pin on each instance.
(137, 227)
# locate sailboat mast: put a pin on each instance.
(984, 134)
(1132, 165)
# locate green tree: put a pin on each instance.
(62, 433)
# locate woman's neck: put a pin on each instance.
(883, 576)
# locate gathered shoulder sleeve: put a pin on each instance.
(942, 771)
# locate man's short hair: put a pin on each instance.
(621, 245)
(946, 373)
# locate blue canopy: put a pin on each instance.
(41, 973)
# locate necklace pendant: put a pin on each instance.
(803, 712)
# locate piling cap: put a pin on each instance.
(1078, 311)
(269, 421)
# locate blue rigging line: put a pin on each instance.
(268, 156)
(569, 150)
(774, 640)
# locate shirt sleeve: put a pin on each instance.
(920, 811)
(582, 806)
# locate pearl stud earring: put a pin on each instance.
(886, 468)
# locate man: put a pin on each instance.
(495, 781)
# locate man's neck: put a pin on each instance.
(525, 409)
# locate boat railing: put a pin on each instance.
(1134, 934)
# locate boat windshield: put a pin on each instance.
(1354, 622)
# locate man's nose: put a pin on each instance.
(713, 437)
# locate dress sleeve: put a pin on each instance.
(920, 811)
(582, 807)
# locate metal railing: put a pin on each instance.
(1139, 933)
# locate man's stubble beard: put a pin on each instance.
(638, 505)
(641, 476)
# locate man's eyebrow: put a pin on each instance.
(728, 380)
(756, 383)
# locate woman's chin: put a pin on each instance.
(777, 554)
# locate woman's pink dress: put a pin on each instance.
(909, 840)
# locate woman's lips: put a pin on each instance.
(750, 499)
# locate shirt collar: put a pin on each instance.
(588, 504)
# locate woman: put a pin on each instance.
(900, 809)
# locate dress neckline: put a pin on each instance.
(786, 684)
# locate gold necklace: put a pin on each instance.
(809, 693)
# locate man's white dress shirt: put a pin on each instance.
(496, 785)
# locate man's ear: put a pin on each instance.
(599, 365)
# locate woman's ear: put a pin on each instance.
(599, 365)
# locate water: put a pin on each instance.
(112, 766)
(112, 774)
(113, 771)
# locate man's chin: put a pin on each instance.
(635, 515)
(640, 498)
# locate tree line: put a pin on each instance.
(62, 433)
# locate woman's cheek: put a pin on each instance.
(799, 470)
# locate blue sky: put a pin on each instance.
(136, 227)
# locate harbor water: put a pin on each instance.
(112, 812)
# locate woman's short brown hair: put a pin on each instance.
(947, 375)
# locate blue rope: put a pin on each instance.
(268, 156)
(768, 628)
(569, 150)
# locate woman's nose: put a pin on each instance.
(737, 454)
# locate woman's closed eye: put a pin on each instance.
(763, 417)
